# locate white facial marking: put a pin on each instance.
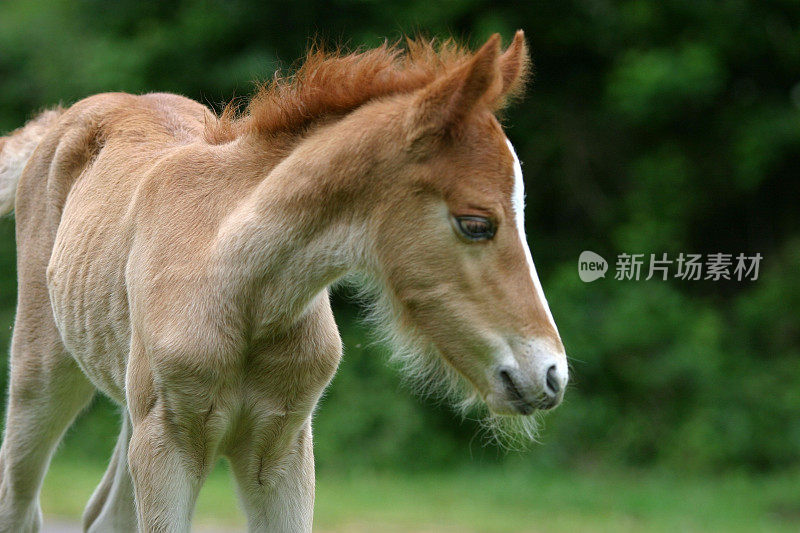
(518, 203)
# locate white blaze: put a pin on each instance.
(518, 203)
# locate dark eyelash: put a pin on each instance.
(475, 228)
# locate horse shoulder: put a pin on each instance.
(290, 370)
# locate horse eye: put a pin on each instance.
(475, 228)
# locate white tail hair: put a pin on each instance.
(15, 151)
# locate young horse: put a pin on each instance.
(179, 262)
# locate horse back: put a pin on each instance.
(73, 221)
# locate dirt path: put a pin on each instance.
(59, 525)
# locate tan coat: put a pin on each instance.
(179, 263)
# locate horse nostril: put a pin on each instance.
(552, 380)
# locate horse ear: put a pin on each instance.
(446, 101)
(515, 66)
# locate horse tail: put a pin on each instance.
(16, 149)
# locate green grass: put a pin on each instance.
(496, 501)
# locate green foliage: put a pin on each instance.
(658, 85)
(653, 126)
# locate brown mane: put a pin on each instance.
(335, 83)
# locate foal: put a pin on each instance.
(179, 263)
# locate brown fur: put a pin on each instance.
(179, 263)
(335, 83)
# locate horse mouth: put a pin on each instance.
(522, 404)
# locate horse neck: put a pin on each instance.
(303, 227)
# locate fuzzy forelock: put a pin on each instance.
(330, 83)
(428, 375)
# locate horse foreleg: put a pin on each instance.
(278, 492)
(168, 470)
